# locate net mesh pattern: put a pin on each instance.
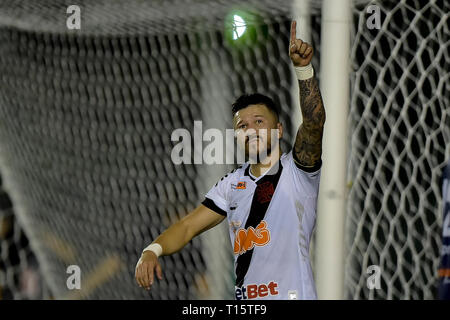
(399, 130)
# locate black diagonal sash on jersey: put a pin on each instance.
(265, 188)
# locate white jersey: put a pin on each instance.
(271, 220)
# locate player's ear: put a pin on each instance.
(280, 130)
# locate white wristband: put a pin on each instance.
(304, 73)
(155, 248)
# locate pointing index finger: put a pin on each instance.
(293, 31)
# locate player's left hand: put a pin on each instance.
(300, 52)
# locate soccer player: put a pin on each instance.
(270, 206)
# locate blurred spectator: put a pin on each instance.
(19, 271)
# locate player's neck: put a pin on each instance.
(260, 168)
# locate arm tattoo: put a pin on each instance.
(308, 144)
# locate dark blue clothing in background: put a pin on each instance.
(444, 270)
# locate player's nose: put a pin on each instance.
(251, 131)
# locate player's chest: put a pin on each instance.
(246, 196)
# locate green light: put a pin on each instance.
(239, 26)
(244, 28)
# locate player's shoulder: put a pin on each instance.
(288, 161)
(233, 175)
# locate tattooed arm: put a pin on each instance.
(308, 144)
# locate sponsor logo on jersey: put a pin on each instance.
(252, 291)
(247, 239)
(241, 185)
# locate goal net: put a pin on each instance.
(86, 119)
(86, 123)
(399, 131)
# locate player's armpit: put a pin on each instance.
(308, 143)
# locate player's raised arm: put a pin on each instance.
(308, 143)
(173, 240)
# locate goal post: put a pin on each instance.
(334, 84)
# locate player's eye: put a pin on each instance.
(259, 121)
(242, 126)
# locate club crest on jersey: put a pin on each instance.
(247, 239)
(264, 192)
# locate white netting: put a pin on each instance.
(399, 142)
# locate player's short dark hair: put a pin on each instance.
(255, 98)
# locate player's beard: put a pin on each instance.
(259, 155)
(249, 149)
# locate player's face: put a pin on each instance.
(253, 126)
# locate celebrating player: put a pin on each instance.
(270, 206)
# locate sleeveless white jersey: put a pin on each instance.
(270, 228)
